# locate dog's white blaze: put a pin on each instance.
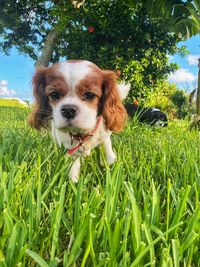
(74, 72)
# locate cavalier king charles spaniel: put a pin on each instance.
(83, 104)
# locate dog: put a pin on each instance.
(83, 105)
(152, 116)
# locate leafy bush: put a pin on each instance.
(181, 101)
(124, 38)
(170, 99)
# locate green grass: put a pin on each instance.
(142, 211)
(10, 103)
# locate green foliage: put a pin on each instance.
(160, 98)
(124, 38)
(134, 37)
(181, 101)
(180, 16)
(143, 79)
(170, 99)
(24, 25)
(142, 211)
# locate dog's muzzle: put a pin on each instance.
(69, 111)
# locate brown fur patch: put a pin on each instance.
(55, 82)
(91, 83)
(113, 111)
(45, 81)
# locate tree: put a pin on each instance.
(116, 34)
(35, 26)
(178, 16)
(20, 27)
(124, 38)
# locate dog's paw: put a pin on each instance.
(75, 171)
(74, 175)
(111, 158)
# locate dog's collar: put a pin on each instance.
(83, 138)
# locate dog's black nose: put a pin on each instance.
(69, 111)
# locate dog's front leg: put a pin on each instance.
(110, 155)
(75, 170)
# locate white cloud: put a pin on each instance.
(4, 89)
(182, 76)
(193, 59)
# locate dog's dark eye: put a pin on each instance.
(88, 96)
(54, 95)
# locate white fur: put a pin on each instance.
(74, 72)
(101, 136)
(123, 89)
(81, 121)
(75, 170)
(155, 109)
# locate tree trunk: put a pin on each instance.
(198, 92)
(49, 44)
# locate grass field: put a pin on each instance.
(10, 103)
(143, 211)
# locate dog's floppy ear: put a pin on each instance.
(42, 111)
(113, 110)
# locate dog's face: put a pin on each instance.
(74, 94)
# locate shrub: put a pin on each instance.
(170, 99)
(181, 101)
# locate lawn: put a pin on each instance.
(10, 103)
(142, 211)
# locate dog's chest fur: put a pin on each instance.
(64, 138)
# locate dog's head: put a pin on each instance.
(74, 94)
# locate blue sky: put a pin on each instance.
(16, 71)
(186, 76)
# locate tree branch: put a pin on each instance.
(45, 57)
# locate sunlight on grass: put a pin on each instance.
(10, 103)
(142, 211)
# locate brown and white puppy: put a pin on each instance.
(83, 104)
